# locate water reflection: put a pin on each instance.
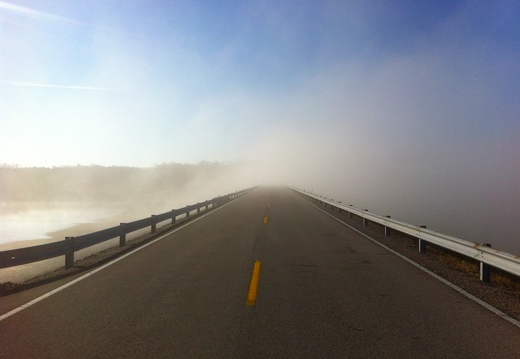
(20, 221)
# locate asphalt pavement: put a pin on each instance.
(317, 290)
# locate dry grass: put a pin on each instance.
(505, 280)
(459, 262)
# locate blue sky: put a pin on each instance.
(138, 83)
(411, 100)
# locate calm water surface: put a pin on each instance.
(20, 221)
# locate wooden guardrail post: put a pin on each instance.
(187, 212)
(198, 207)
(388, 230)
(174, 216)
(485, 269)
(69, 256)
(122, 237)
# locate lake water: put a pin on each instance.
(31, 223)
(24, 224)
(21, 221)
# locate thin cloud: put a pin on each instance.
(36, 14)
(67, 87)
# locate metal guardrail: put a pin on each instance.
(67, 247)
(488, 257)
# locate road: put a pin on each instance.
(323, 291)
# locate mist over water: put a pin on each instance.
(408, 109)
(40, 205)
(35, 203)
(477, 210)
(22, 221)
(474, 201)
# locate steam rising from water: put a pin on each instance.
(88, 198)
(413, 116)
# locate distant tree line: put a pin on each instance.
(100, 183)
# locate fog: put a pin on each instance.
(40, 205)
(136, 189)
(480, 206)
(476, 199)
(447, 159)
(408, 110)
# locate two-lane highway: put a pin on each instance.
(320, 291)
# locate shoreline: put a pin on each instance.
(57, 235)
(22, 274)
(120, 212)
(38, 273)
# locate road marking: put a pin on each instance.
(253, 286)
(265, 220)
(434, 275)
(59, 289)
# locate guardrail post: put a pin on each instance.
(174, 217)
(422, 243)
(69, 256)
(422, 246)
(388, 230)
(154, 225)
(187, 212)
(350, 213)
(198, 207)
(365, 221)
(122, 237)
(485, 269)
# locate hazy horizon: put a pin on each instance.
(409, 109)
(140, 192)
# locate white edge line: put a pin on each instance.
(436, 276)
(85, 276)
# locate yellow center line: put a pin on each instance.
(253, 286)
(265, 220)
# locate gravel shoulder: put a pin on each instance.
(503, 291)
